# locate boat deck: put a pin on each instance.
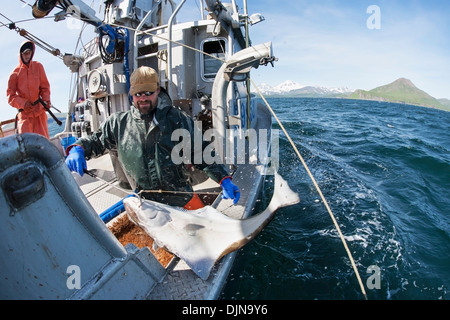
(180, 282)
(71, 235)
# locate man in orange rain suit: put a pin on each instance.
(27, 83)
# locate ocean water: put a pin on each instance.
(384, 169)
(53, 127)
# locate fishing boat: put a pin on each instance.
(57, 230)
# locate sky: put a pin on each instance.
(356, 44)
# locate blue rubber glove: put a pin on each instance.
(230, 190)
(75, 160)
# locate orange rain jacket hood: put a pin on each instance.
(28, 83)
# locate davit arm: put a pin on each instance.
(236, 68)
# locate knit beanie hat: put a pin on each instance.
(143, 79)
(26, 46)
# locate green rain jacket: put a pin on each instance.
(144, 149)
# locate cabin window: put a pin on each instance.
(148, 56)
(216, 48)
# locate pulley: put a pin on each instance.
(41, 8)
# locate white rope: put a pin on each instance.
(320, 193)
(296, 151)
(301, 159)
(148, 33)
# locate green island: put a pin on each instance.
(402, 91)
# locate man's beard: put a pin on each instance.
(145, 109)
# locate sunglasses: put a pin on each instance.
(146, 93)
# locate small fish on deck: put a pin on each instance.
(201, 237)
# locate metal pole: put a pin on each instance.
(169, 47)
(247, 81)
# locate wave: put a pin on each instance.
(385, 172)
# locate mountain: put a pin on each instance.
(445, 103)
(293, 89)
(402, 91)
(287, 86)
(282, 88)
